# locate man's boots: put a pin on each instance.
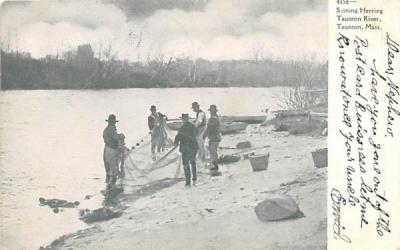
(214, 171)
(186, 169)
(215, 166)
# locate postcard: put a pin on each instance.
(199, 124)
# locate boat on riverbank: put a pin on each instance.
(226, 128)
(234, 127)
(175, 124)
(249, 119)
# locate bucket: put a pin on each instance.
(259, 162)
(320, 157)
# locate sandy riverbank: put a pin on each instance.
(218, 213)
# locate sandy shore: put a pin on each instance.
(218, 213)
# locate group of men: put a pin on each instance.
(190, 139)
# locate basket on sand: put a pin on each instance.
(259, 162)
(320, 157)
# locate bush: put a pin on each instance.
(304, 94)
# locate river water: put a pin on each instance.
(51, 146)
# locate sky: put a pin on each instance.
(145, 29)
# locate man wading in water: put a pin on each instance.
(186, 138)
(200, 123)
(213, 132)
(156, 123)
(111, 154)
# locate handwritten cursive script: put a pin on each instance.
(337, 201)
(393, 95)
(364, 82)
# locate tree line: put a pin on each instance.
(81, 69)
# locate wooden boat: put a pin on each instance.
(226, 128)
(246, 119)
(234, 127)
(299, 113)
(290, 113)
(249, 119)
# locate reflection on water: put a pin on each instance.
(51, 146)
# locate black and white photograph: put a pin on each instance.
(164, 124)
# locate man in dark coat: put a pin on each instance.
(111, 154)
(186, 138)
(213, 132)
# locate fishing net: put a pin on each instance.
(142, 166)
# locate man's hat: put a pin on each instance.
(195, 104)
(153, 107)
(213, 107)
(185, 116)
(112, 118)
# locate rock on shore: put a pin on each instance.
(278, 208)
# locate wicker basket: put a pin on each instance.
(320, 158)
(259, 162)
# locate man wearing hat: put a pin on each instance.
(213, 132)
(186, 138)
(200, 123)
(111, 154)
(156, 123)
